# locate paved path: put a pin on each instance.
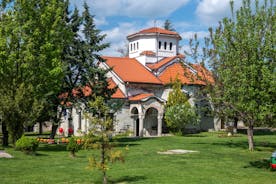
(3, 154)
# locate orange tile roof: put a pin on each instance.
(164, 61)
(130, 70)
(203, 74)
(156, 30)
(148, 53)
(118, 93)
(140, 96)
(177, 70)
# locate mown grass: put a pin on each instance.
(220, 160)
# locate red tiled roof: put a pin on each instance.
(178, 71)
(163, 62)
(203, 74)
(148, 53)
(156, 30)
(130, 70)
(118, 93)
(140, 96)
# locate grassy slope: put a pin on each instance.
(220, 160)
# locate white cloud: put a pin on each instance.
(117, 37)
(211, 11)
(132, 8)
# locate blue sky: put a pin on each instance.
(119, 18)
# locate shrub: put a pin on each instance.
(27, 145)
(178, 116)
(73, 146)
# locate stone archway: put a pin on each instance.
(135, 116)
(151, 122)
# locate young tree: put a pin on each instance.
(242, 57)
(179, 112)
(100, 137)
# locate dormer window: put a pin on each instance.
(160, 44)
(165, 45)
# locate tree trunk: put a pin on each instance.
(55, 125)
(40, 127)
(5, 140)
(250, 137)
(53, 131)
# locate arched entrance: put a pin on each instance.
(135, 116)
(151, 122)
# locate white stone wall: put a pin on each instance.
(123, 121)
(151, 43)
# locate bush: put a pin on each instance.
(178, 116)
(73, 146)
(27, 145)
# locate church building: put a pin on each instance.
(143, 81)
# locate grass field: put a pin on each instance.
(220, 160)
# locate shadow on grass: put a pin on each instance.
(194, 135)
(260, 164)
(127, 179)
(258, 131)
(52, 147)
(259, 146)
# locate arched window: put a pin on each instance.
(131, 47)
(160, 44)
(165, 45)
(137, 45)
(134, 46)
(171, 45)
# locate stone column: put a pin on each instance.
(159, 127)
(141, 125)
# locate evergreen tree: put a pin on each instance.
(168, 25)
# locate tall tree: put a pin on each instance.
(31, 40)
(242, 55)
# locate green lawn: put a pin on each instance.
(220, 160)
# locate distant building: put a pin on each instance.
(143, 81)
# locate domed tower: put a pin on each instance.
(153, 44)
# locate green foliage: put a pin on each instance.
(241, 53)
(179, 112)
(27, 145)
(176, 96)
(73, 146)
(178, 116)
(100, 137)
(168, 25)
(32, 36)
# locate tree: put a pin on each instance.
(83, 78)
(179, 112)
(242, 57)
(168, 25)
(31, 41)
(100, 137)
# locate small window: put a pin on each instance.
(159, 45)
(134, 46)
(137, 46)
(165, 45)
(131, 47)
(170, 45)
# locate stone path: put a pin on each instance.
(177, 151)
(3, 154)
